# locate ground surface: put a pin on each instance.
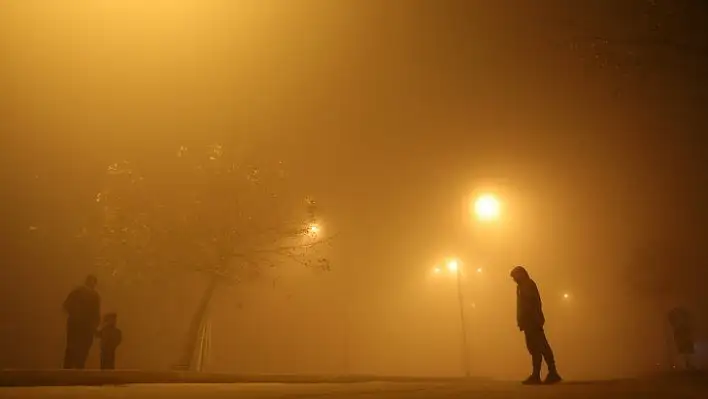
(374, 390)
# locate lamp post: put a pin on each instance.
(454, 266)
(485, 208)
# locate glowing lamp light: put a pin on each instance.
(453, 265)
(487, 207)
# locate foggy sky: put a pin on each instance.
(388, 113)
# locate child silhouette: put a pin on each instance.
(110, 337)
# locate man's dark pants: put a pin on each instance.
(79, 338)
(540, 349)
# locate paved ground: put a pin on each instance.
(46, 378)
(373, 390)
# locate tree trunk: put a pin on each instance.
(196, 329)
(201, 354)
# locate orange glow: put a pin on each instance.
(487, 207)
(453, 265)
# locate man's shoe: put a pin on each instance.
(533, 380)
(552, 378)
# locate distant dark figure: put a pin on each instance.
(682, 326)
(83, 308)
(530, 319)
(110, 336)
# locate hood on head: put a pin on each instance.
(519, 273)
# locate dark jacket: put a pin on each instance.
(110, 337)
(83, 305)
(529, 308)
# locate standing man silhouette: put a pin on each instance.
(83, 309)
(530, 319)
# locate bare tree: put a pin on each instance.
(666, 272)
(204, 212)
(640, 33)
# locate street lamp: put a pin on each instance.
(313, 230)
(454, 266)
(487, 208)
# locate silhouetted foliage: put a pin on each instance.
(649, 270)
(643, 33)
(204, 212)
(661, 270)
